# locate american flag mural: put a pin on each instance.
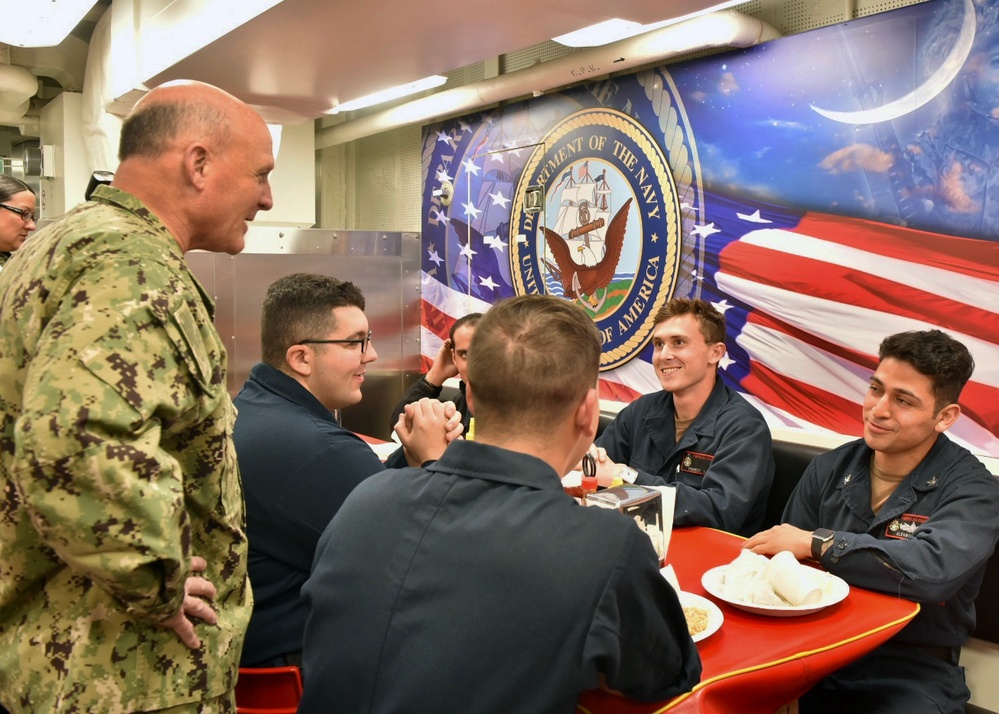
(812, 257)
(808, 298)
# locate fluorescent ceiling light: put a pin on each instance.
(387, 95)
(40, 23)
(603, 33)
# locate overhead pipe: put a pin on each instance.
(726, 28)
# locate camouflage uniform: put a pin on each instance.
(117, 465)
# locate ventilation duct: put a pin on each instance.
(17, 87)
(721, 29)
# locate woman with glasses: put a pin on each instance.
(17, 215)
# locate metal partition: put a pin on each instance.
(384, 265)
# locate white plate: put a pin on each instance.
(835, 590)
(715, 617)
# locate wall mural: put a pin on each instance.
(823, 190)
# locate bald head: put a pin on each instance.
(199, 159)
(181, 112)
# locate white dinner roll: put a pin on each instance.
(745, 580)
(793, 581)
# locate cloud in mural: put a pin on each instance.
(857, 157)
(729, 84)
(723, 172)
(950, 188)
(721, 168)
(785, 125)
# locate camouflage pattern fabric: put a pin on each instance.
(220, 705)
(117, 465)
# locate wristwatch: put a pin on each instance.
(820, 536)
(628, 474)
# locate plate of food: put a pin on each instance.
(777, 587)
(703, 616)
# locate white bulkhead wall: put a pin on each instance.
(80, 130)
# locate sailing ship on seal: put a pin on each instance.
(584, 213)
(583, 249)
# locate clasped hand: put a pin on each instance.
(426, 427)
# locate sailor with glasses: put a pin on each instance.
(297, 462)
(475, 583)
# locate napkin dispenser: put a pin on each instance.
(641, 503)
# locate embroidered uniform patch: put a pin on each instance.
(904, 526)
(695, 463)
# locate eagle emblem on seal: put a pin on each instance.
(581, 280)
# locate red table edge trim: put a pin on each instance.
(799, 655)
(678, 699)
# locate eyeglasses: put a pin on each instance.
(25, 214)
(362, 341)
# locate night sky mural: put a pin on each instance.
(823, 190)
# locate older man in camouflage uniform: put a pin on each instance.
(122, 552)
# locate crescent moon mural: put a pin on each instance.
(945, 74)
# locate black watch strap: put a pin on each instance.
(431, 384)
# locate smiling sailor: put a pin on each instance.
(697, 434)
(906, 511)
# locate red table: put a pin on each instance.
(755, 664)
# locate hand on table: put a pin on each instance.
(782, 537)
(196, 591)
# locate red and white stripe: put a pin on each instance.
(822, 305)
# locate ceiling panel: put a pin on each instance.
(302, 57)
